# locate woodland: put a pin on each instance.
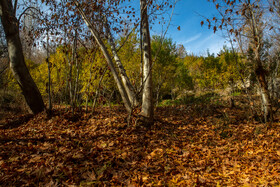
(89, 97)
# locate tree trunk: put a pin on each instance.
(97, 90)
(106, 54)
(17, 63)
(88, 84)
(157, 98)
(76, 86)
(49, 72)
(76, 90)
(71, 82)
(266, 100)
(125, 80)
(273, 82)
(257, 45)
(147, 100)
(231, 99)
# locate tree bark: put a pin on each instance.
(106, 54)
(157, 97)
(266, 100)
(17, 63)
(76, 86)
(71, 82)
(125, 80)
(147, 99)
(49, 72)
(90, 76)
(261, 73)
(97, 89)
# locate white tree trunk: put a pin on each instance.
(147, 100)
(107, 56)
(126, 82)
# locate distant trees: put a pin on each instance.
(174, 73)
(99, 22)
(92, 38)
(165, 65)
(214, 72)
(102, 29)
(247, 25)
(30, 19)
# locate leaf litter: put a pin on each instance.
(182, 148)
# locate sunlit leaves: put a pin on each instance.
(187, 146)
(214, 72)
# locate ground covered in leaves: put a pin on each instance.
(187, 146)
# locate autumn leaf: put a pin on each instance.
(217, 6)
(201, 23)
(177, 150)
(215, 29)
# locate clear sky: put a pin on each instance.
(196, 39)
(188, 14)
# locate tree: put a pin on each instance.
(274, 50)
(147, 99)
(165, 65)
(130, 55)
(104, 19)
(103, 48)
(17, 63)
(29, 25)
(125, 80)
(147, 103)
(244, 20)
(3, 56)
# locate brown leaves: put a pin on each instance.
(201, 23)
(183, 148)
(214, 29)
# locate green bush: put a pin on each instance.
(202, 99)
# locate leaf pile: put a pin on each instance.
(183, 148)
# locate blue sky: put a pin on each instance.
(196, 39)
(188, 15)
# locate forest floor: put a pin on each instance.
(195, 145)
